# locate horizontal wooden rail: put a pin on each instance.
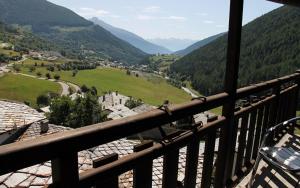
(130, 161)
(52, 146)
(256, 88)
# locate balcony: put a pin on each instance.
(219, 154)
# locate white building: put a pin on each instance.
(112, 99)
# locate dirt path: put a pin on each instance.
(64, 85)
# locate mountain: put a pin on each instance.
(78, 37)
(132, 38)
(270, 48)
(173, 44)
(197, 45)
(23, 40)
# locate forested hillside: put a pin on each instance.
(197, 45)
(270, 48)
(40, 14)
(23, 40)
(78, 37)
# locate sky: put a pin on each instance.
(184, 19)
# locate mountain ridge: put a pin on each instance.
(270, 48)
(131, 38)
(80, 38)
(197, 45)
(173, 44)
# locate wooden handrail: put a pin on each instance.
(58, 147)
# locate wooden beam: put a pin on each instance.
(223, 169)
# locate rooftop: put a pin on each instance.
(15, 115)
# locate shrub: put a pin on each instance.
(48, 75)
(56, 77)
(43, 100)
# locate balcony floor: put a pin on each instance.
(267, 176)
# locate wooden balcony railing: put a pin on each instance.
(276, 101)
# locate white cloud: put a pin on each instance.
(146, 17)
(91, 12)
(208, 22)
(177, 18)
(152, 9)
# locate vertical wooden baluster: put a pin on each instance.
(274, 111)
(65, 170)
(192, 157)
(112, 182)
(142, 174)
(266, 119)
(257, 132)
(242, 144)
(208, 162)
(170, 168)
(248, 158)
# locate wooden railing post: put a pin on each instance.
(142, 174)
(274, 108)
(297, 94)
(65, 171)
(170, 169)
(192, 157)
(208, 162)
(227, 140)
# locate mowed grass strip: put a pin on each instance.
(23, 88)
(110, 79)
(151, 90)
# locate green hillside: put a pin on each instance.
(270, 48)
(75, 36)
(40, 14)
(24, 40)
(23, 88)
(151, 89)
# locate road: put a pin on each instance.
(187, 90)
(65, 88)
(64, 85)
(4, 69)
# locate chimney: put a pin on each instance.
(44, 126)
(120, 101)
(103, 98)
(117, 93)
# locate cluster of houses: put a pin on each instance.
(45, 55)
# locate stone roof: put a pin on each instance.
(143, 108)
(120, 111)
(112, 99)
(15, 115)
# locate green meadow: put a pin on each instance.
(151, 89)
(23, 88)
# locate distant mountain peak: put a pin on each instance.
(197, 45)
(131, 38)
(172, 43)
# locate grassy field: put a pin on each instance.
(22, 88)
(152, 90)
(9, 52)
